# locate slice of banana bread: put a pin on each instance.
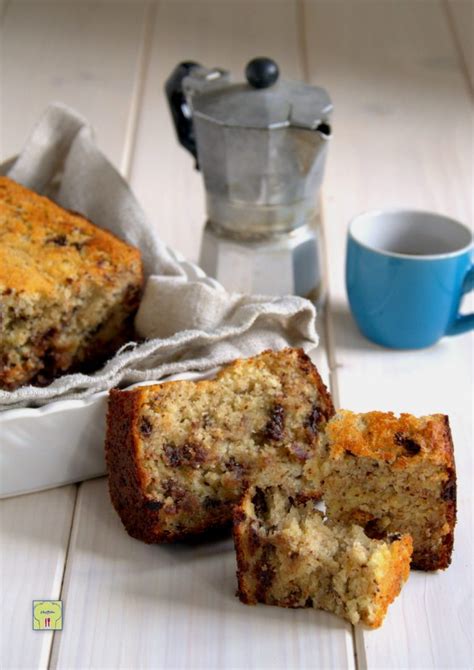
(68, 290)
(392, 474)
(178, 454)
(288, 556)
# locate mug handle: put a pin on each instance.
(463, 323)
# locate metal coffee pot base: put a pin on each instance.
(279, 265)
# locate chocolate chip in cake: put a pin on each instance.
(145, 427)
(260, 503)
(314, 418)
(449, 491)
(373, 530)
(264, 572)
(193, 454)
(172, 455)
(253, 540)
(206, 421)
(211, 503)
(154, 505)
(190, 454)
(179, 496)
(410, 446)
(276, 423)
(394, 537)
(58, 240)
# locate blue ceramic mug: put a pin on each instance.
(406, 273)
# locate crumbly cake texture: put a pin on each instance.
(393, 474)
(68, 290)
(289, 556)
(179, 454)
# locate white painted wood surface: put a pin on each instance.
(403, 135)
(34, 536)
(86, 54)
(461, 14)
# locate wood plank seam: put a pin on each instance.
(462, 57)
(302, 42)
(68, 545)
(125, 166)
(3, 10)
(326, 308)
(138, 88)
(360, 662)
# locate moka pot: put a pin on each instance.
(261, 147)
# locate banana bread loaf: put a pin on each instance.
(288, 556)
(391, 474)
(178, 454)
(68, 290)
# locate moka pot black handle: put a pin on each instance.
(180, 111)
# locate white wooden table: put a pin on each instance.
(400, 73)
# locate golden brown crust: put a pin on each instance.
(425, 438)
(394, 579)
(244, 592)
(442, 560)
(139, 514)
(68, 289)
(129, 478)
(43, 245)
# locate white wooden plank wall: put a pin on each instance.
(82, 53)
(3, 9)
(393, 71)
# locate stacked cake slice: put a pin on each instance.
(261, 443)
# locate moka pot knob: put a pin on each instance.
(262, 72)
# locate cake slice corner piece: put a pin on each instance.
(393, 474)
(289, 556)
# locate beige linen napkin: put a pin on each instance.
(189, 322)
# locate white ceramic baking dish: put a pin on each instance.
(63, 441)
